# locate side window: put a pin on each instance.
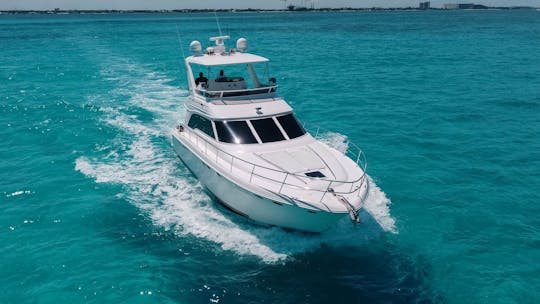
(198, 122)
(235, 132)
(267, 130)
(291, 126)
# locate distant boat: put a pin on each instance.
(245, 145)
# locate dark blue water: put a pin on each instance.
(96, 207)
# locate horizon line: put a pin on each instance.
(296, 9)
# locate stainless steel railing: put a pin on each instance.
(236, 93)
(229, 162)
(352, 151)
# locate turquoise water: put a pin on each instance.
(96, 207)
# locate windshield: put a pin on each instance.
(231, 77)
(291, 126)
(267, 130)
(235, 132)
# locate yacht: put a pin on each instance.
(245, 145)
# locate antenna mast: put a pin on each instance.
(180, 41)
(217, 21)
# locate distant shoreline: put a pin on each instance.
(297, 9)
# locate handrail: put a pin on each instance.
(359, 157)
(360, 160)
(235, 93)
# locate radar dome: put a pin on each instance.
(195, 48)
(241, 44)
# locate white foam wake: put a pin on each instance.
(156, 182)
(153, 183)
(377, 204)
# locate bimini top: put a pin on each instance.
(219, 55)
(225, 59)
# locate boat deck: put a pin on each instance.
(263, 170)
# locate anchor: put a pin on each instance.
(355, 217)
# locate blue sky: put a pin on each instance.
(172, 4)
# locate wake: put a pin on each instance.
(156, 182)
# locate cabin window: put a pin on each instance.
(291, 126)
(267, 130)
(235, 132)
(198, 122)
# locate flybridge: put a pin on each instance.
(219, 55)
(238, 75)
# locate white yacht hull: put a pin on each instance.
(263, 207)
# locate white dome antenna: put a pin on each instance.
(241, 44)
(195, 48)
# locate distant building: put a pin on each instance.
(480, 6)
(466, 5)
(424, 5)
(451, 6)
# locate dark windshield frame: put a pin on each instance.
(262, 130)
(291, 125)
(202, 123)
(267, 129)
(235, 132)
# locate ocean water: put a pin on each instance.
(95, 207)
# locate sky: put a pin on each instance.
(211, 4)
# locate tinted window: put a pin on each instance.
(201, 123)
(235, 132)
(268, 130)
(291, 126)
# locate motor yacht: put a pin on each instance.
(245, 145)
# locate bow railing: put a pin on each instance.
(281, 179)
